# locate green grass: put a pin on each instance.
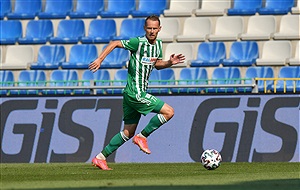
(231, 176)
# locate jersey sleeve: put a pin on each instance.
(131, 44)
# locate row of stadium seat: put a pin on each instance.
(24, 9)
(208, 54)
(188, 76)
(194, 29)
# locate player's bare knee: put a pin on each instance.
(170, 113)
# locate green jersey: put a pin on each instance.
(142, 60)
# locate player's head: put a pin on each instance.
(152, 27)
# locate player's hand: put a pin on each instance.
(176, 59)
(95, 65)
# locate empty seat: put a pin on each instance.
(25, 56)
(213, 8)
(296, 9)
(276, 7)
(149, 7)
(131, 27)
(227, 28)
(62, 78)
(170, 29)
(286, 85)
(181, 8)
(69, 32)
(186, 49)
(37, 32)
(161, 77)
(191, 76)
(289, 28)
(296, 59)
(7, 80)
(242, 54)
(195, 29)
(223, 76)
(30, 78)
(118, 9)
(81, 56)
(87, 9)
(11, 31)
(100, 31)
(275, 53)
(120, 79)
(99, 78)
(242, 7)
(56, 9)
(49, 57)
(260, 28)
(116, 59)
(209, 54)
(5, 8)
(258, 72)
(24, 9)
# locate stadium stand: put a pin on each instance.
(170, 29)
(11, 31)
(116, 59)
(161, 77)
(213, 8)
(149, 7)
(209, 54)
(87, 9)
(56, 9)
(294, 61)
(296, 9)
(289, 28)
(242, 7)
(275, 53)
(118, 9)
(5, 8)
(195, 29)
(80, 56)
(69, 32)
(7, 79)
(181, 8)
(186, 49)
(131, 27)
(50, 57)
(24, 9)
(227, 29)
(120, 79)
(100, 31)
(37, 32)
(275, 7)
(242, 54)
(286, 85)
(260, 28)
(25, 57)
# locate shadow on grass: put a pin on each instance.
(286, 184)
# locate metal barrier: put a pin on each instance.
(276, 81)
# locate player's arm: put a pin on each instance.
(174, 59)
(95, 65)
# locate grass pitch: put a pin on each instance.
(133, 176)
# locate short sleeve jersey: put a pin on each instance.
(142, 61)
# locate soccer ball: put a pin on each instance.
(211, 159)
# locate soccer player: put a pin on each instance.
(146, 53)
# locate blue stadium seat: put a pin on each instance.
(100, 78)
(56, 9)
(49, 57)
(242, 7)
(242, 54)
(87, 9)
(191, 76)
(81, 55)
(118, 9)
(209, 54)
(288, 72)
(161, 77)
(116, 59)
(120, 79)
(5, 8)
(6, 79)
(276, 7)
(30, 78)
(60, 78)
(100, 31)
(25, 9)
(149, 7)
(11, 31)
(225, 75)
(131, 27)
(69, 32)
(258, 72)
(37, 32)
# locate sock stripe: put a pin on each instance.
(124, 137)
(161, 118)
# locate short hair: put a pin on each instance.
(153, 18)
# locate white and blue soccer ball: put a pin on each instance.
(211, 159)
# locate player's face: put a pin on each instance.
(152, 28)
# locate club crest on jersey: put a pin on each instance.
(149, 60)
